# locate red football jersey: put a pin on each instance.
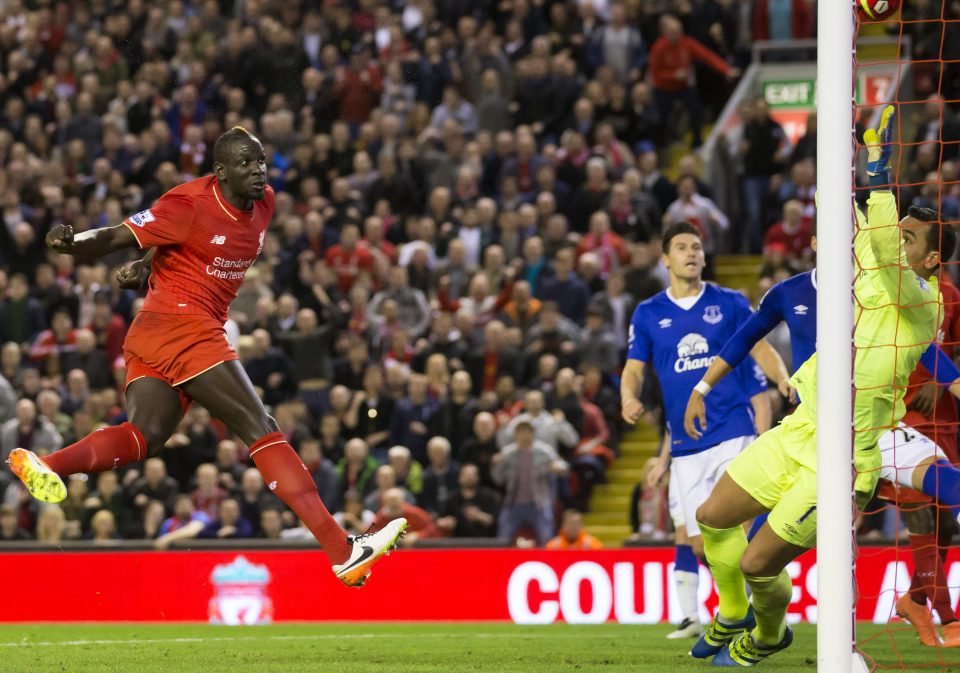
(942, 427)
(204, 247)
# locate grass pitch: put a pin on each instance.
(398, 648)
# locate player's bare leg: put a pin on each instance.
(154, 410)
(227, 393)
(720, 519)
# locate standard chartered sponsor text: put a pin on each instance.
(220, 266)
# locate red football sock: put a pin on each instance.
(947, 615)
(929, 578)
(288, 478)
(101, 450)
(924, 550)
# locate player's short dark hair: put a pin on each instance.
(225, 143)
(677, 229)
(941, 236)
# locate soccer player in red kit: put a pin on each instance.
(205, 234)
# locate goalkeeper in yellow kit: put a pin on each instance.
(897, 315)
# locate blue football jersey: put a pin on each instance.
(794, 301)
(680, 344)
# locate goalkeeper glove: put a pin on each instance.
(879, 144)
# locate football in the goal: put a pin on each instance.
(877, 10)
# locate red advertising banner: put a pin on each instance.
(631, 586)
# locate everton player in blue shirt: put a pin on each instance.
(680, 331)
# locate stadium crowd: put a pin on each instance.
(469, 201)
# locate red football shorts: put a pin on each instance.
(174, 348)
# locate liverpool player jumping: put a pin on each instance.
(206, 234)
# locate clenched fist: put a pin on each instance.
(132, 275)
(60, 239)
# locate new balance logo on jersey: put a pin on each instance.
(665, 323)
(218, 240)
(800, 309)
(691, 346)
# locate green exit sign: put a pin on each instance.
(797, 93)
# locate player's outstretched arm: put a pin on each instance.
(90, 245)
(901, 284)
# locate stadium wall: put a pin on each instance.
(523, 586)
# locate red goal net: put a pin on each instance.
(912, 60)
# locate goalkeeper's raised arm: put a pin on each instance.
(898, 307)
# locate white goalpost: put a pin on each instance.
(835, 104)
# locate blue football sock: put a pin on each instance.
(685, 560)
(942, 482)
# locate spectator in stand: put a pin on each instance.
(618, 46)
(103, 527)
(208, 495)
(8, 402)
(271, 524)
(672, 60)
(355, 519)
(324, 473)
(702, 213)
(89, 359)
(28, 430)
(228, 523)
(356, 468)
(480, 447)
(253, 498)
(21, 316)
(409, 472)
(524, 468)
(108, 327)
(370, 410)
(10, 530)
(347, 259)
(774, 20)
(51, 525)
(598, 342)
(409, 424)
(385, 478)
(440, 476)
(270, 369)
(154, 486)
(228, 464)
(454, 418)
(762, 150)
(566, 288)
(609, 246)
(185, 524)
(52, 343)
(414, 311)
(420, 524)
(794, 233)
(572, 534)
(471, 509)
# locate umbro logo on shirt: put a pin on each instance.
(800, 309)
(218, 240)
(665, 323)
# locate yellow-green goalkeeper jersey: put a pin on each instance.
(896, 316)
